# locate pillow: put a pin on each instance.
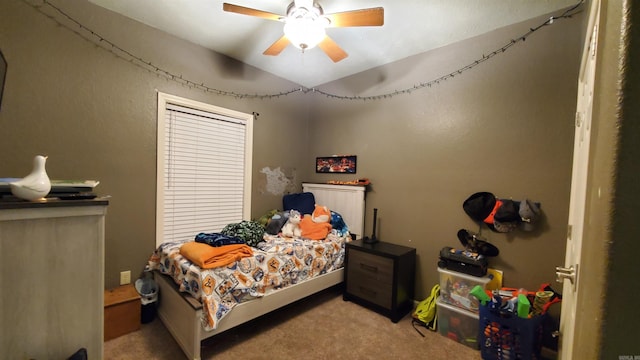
(276, 222)
(303, 202)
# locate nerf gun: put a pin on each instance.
(479, 293)
(523, 306)
(518, 304)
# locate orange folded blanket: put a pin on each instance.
(208, 257)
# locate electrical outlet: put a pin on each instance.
(125, 277)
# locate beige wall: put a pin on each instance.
(94, 113)
(506, 127)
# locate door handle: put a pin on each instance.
(570, 273)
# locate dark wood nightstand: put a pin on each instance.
(380, 276)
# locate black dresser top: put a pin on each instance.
(381, 247)
(51, 203)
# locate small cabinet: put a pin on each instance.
(122, 311)
(380, 276)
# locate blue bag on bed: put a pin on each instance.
(338, 226)
(218, 239)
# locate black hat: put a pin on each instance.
(479, 205)
(507, 217)
(473, 243)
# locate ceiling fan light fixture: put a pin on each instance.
(305, 25)
(304, 33)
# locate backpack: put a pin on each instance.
(425, 313)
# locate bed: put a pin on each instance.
(195, 304)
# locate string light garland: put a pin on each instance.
(138, 61)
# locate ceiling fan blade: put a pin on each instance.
(251, 12)
(362, 17)
(277, 47)
(333, 50)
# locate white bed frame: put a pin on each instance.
(181, 313)
(347, 200)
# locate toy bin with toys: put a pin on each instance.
(457, 324)
(455, 289)
(507, 336)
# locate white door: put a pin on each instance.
(571, 270)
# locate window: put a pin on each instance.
(203, 168)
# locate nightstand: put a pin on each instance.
(381, 277)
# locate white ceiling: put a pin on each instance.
(410, 27)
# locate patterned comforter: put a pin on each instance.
(276, 263)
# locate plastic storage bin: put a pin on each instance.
(455, 289)
(505, 336)
(457, 324)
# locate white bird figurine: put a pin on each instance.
(34, 186)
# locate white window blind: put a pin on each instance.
(204, 175)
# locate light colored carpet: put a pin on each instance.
(320, 327)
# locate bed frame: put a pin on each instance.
(181, 313)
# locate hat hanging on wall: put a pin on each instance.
(473, 243)
(507, 217)
(480, 205)
(502, 215)
(529, 213)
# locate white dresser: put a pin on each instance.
(51, 278)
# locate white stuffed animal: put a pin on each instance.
(292, 227)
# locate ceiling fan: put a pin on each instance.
(305, 23)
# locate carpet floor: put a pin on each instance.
(322, 326)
